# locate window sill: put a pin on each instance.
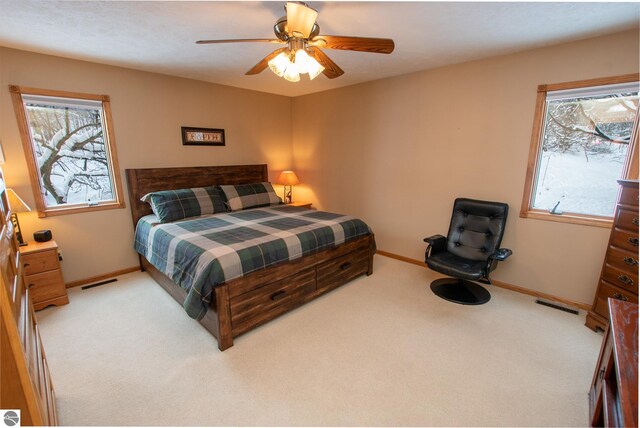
(80, 209)
(584, 220)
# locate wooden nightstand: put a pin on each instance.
(43, 276)
(300, 204)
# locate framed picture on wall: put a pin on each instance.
(202, 136)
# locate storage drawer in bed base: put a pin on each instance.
(245, 303)
(341, 270)
(267, 302)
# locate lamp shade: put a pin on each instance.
(306, 64)
(288, 178)
(16, 203)
(280, 63)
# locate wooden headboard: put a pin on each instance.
(144, 180)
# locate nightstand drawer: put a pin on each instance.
(45, 286)
(41, 261)
(43, 275)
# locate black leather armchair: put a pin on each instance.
(470, 251)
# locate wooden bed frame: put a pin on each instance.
(245, 303)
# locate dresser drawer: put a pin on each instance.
(45, 286)
(623, 278)
(341, 270)
(602, 370)
(629, 196)
(41, 261)
(627, 220)
(608, 290)
(623, 260)
(625, 240)
(271, 300)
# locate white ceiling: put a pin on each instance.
(159, 36)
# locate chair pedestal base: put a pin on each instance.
(460, 291)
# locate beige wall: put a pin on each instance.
(396, 152)
(148, 111)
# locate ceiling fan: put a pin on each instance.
(300, 32)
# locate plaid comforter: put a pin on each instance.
(200, 253)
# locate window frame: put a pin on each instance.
(629, 169)
(25, 134)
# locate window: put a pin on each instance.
(584, 138)
(70, 149)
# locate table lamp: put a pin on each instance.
(17, 205)
(288, 179)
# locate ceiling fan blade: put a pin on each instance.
(205, 42)
(264, 63)
(360, 44)
(300, 19)
(331, 69)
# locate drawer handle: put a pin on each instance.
(279, 295)
(633, 241)
(26, 265)
(630, 261)
(345, 266)
(635, 221)
(625, 279)
(620, 297)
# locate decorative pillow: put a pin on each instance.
(243, 196)
(171, 205)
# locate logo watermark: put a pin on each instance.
(11, 418)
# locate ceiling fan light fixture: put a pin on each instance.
(315, 72)
(299, 31)
(291, 73)
(283, 66)
(280, 63)
(307, 64)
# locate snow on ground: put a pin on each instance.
(581, 186)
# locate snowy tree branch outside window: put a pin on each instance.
(71, 150)
(584, 146)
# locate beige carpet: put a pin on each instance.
(382, 350)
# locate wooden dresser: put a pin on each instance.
(613, 397)
(24, 376)
(619, 277)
